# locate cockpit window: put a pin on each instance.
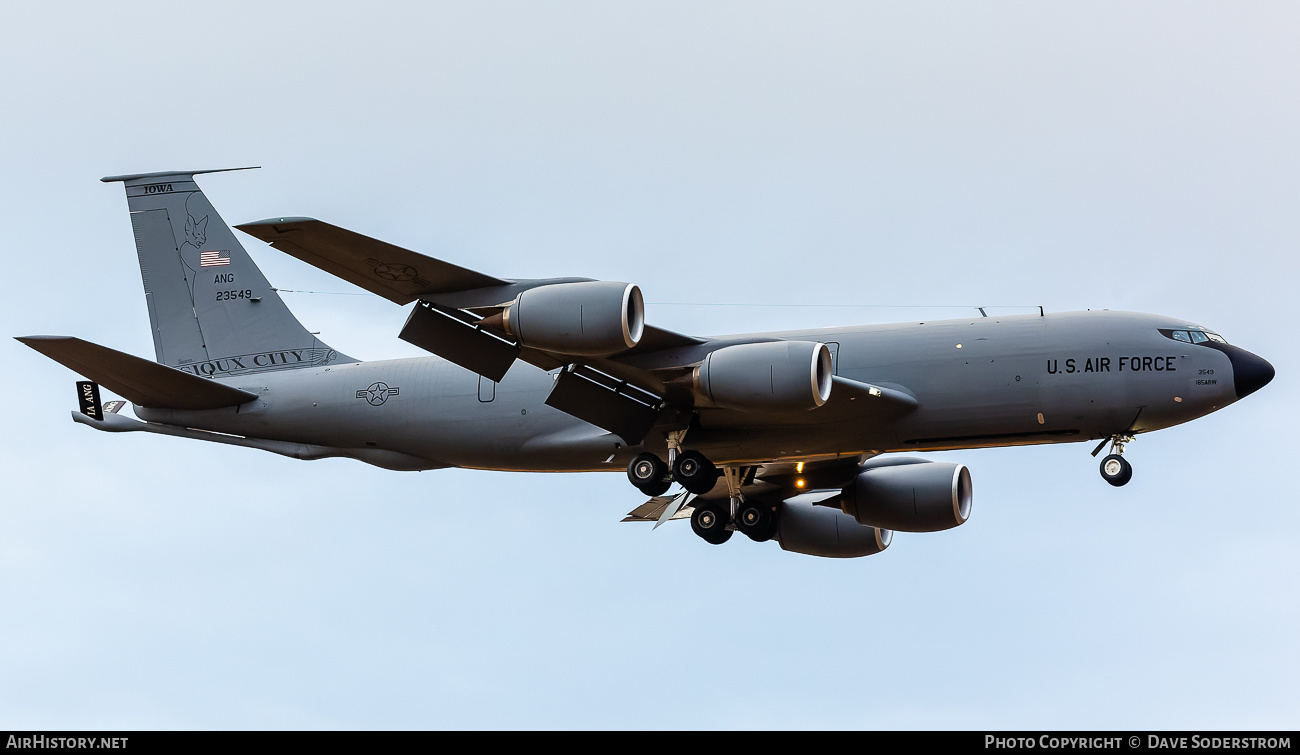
(1191, 336)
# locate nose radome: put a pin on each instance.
(1249, 372)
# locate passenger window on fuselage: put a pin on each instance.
(1181, 335)
(1198, 337)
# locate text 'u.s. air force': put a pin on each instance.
(1071, 365)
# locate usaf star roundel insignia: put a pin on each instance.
(377, 393)
(396, 272)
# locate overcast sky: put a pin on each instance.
(902, 161)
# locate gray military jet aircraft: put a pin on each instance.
(781, 436)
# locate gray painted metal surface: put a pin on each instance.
(918, 386)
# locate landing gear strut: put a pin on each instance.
(1114, 469)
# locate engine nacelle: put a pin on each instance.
(909, 495)
(774, 376)
(821, 531)
(588, 318)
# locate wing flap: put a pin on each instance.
(140, 381)
(443, 333)
(605, 402)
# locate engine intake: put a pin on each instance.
(588, 318)
(909, 495)
(772, 376)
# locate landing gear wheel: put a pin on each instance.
(709, 521)
(696, 473)
(1115, 470)
(757, 520)
(649, 474)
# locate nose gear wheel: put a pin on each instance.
(1114, 468)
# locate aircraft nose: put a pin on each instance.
(1249, 372)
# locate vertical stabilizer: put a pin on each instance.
(211, 309)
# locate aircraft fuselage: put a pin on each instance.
(979, 382)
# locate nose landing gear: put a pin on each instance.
(1114, 469)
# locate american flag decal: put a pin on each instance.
(213, 259)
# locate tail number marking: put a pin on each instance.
(246, 293)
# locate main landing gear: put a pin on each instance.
(711, 520)
(1114, 469)
(649, 474)
(690, 469)
(714, 520)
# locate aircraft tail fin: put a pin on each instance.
(138, 380)
(212, 311)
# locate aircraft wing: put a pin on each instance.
(397, 274)
(626, 385)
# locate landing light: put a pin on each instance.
(798, 483)
(799, 467)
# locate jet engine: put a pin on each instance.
(772, 376)
(820, 531)
(588, 318)
(909, 495)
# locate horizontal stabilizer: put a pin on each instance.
(140, 381)
(170, 174)
(394, 273)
